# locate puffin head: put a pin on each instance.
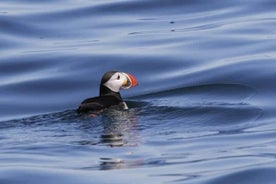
(115, 81)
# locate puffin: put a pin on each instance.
(109, 96)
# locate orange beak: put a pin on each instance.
(131, 81)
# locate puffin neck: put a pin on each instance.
(106, 91)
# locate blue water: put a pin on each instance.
(204, 110)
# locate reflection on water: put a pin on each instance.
(112, 163)
(120, 128)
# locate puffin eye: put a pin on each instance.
(118, 78)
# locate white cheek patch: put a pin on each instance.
(114, 83)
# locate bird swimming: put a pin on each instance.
(109, 95)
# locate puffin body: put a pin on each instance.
(110, 86)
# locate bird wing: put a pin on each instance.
(97, 103)
(91, 104)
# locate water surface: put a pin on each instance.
(203, 112)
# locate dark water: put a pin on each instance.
(204, 111)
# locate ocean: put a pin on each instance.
(203, 112)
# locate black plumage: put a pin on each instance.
(107, 97)
(105, 100)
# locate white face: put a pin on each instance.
(116, 81)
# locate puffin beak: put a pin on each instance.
(130, 81)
